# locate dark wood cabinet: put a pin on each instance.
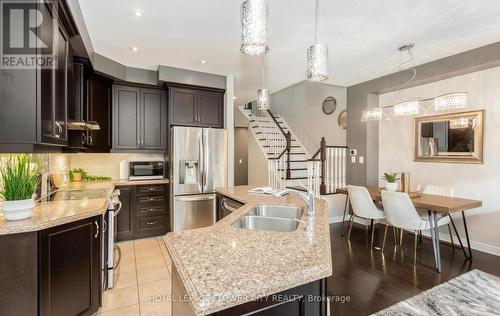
(70, 268)
(196, 107)
(125, 220)
(144, 212)
(34, 101)
(139, 119)
(99, 110)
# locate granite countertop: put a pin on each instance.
(221, 266)
(54, 213)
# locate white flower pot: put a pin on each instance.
(391, 186)
(16, 210)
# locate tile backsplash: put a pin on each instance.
(107, 165)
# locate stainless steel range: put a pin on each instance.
(198, 166)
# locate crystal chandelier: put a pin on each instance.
(263, 97)
(374, 114)
(254, 16)
(407, 108)
(317, 57)
(451, 101)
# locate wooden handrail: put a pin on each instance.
(276, 122)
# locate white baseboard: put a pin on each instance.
(476, 245)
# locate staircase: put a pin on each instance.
(272, 131)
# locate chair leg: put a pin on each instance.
(401, 237)
(395, 235)
(373, 231)
(415, 248)
(385, 236)
(451, 237)
(350, 228)
(420, 239)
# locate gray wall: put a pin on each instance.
(301, 106)
(241, 135)
(364, 137)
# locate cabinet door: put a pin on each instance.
(210, 109)
(125, 220)
(99, 110)
(154, 125)
(70, 268)
(126, 117)
(182, 104)
(61, 106)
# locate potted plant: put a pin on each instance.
(19, 178)
(391, 179)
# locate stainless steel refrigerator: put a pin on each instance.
(198, 165)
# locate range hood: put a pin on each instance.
(83, 126)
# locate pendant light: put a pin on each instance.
(263, 97)
(254, 16)
(317, 56)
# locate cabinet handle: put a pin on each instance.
(90, 140)
(151, 223)
(97, 229)
(104, 226)
(84, 139)
(59, 129)
(151, 209)
(151, 189)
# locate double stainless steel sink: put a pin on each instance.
(278, 218)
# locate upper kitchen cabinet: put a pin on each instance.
(139, 119)
(34, 97)
(190, 106)
(98, 111)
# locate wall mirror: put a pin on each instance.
(456, 137)
(329, 105)
(342, 120)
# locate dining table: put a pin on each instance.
(436, 206)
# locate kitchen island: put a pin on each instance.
(226, 270)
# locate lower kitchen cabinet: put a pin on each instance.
(70, 268)
(56, 271)
(144, 211)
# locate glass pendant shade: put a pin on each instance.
(374, 114)
(263, 99)
(317, 62)
(254, 16)
(452, 101)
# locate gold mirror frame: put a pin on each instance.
(342, 119)
(477, 158)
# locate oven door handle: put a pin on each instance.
(119, 208)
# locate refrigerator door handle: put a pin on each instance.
(194, 199)
(206, 163)
(201, 161)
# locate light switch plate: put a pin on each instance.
(353, 159)
(361, 159)
(241, 161)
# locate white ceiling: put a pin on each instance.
(362, 35)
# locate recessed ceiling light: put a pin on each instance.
(137, 13)
(135, 49)
(203, 61)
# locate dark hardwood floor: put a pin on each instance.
(374, 281)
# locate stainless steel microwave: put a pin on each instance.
(146, 170)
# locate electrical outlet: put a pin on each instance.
(241, 161)
(361, 159)
(353, 159)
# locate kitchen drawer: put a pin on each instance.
(150, 223)
(150, 199)
(153, 189)
(150, 210)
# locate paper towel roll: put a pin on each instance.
(124, 171)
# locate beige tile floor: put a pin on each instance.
(144, 271)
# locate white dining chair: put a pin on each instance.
(402, 214)
(442, 190)
(364, 207)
